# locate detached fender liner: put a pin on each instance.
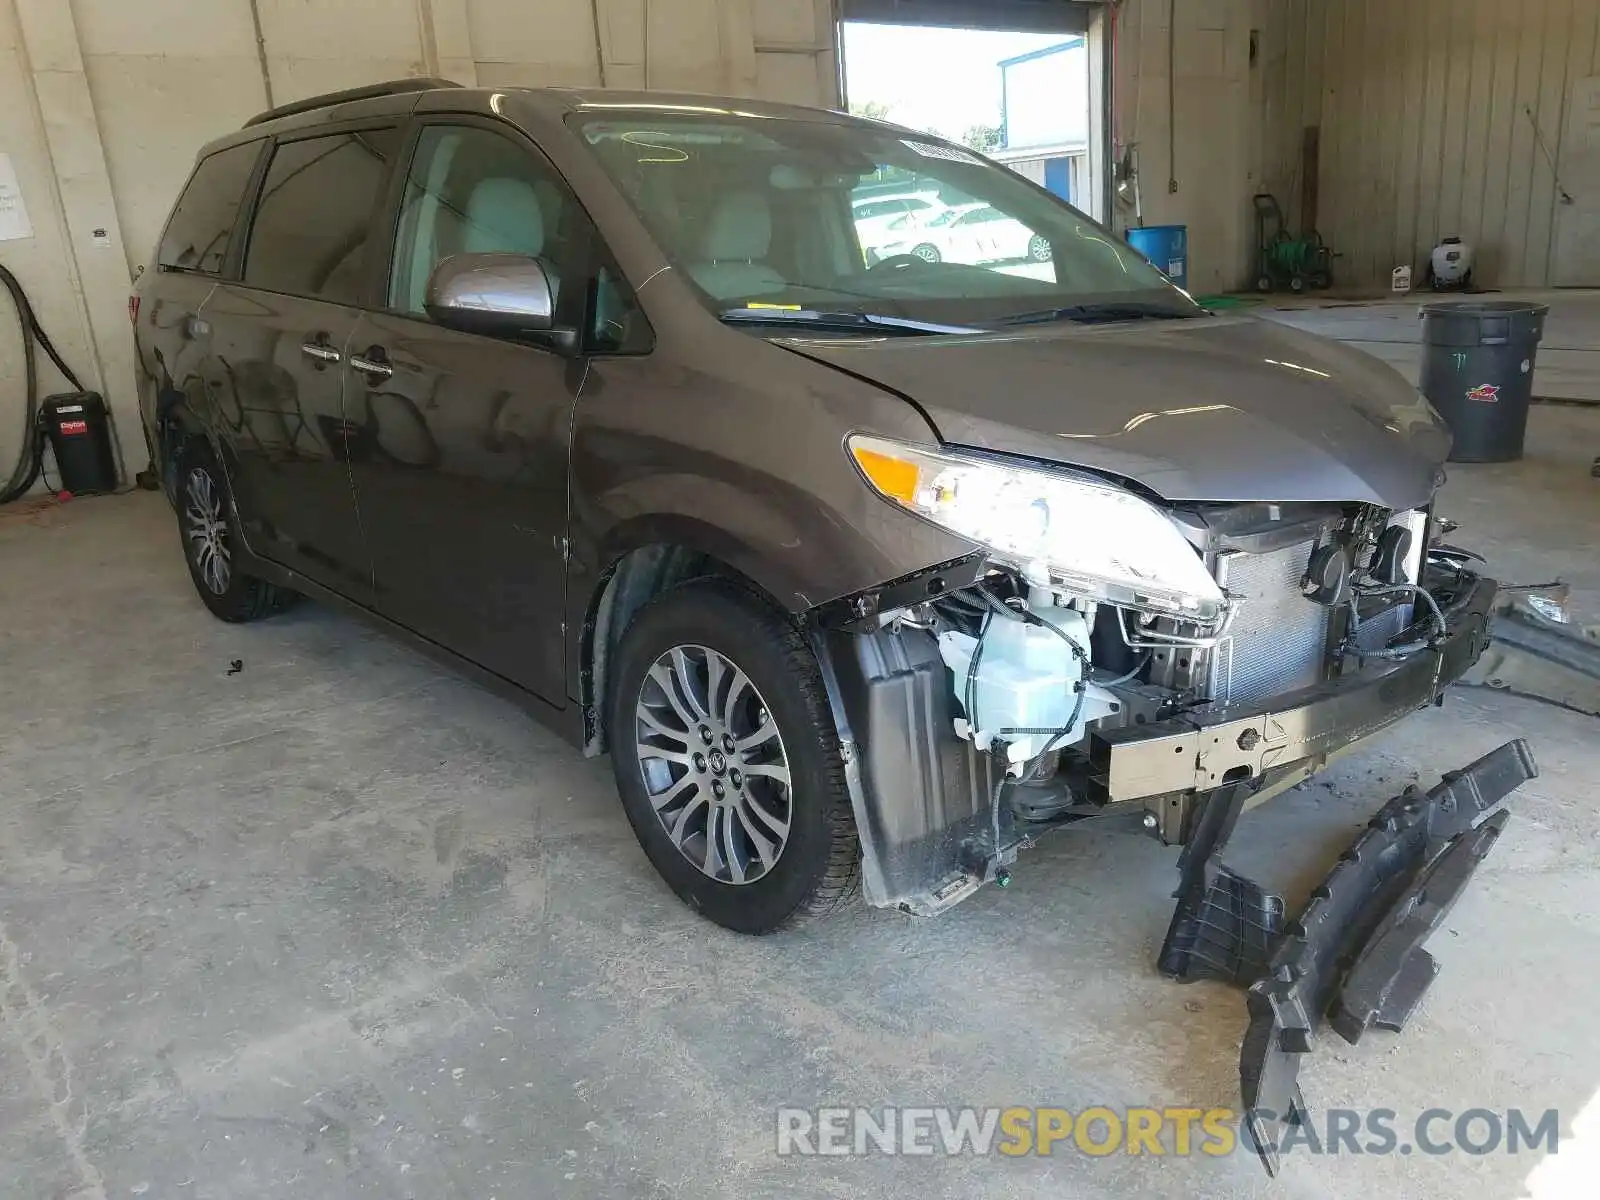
(1355, 955)
(930, 831)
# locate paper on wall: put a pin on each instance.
(14, 224)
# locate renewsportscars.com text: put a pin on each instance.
(1100, 1131)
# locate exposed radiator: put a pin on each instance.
(1278, 640)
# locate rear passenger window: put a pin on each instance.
(196, 237)
(309, 236)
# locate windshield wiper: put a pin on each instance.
(838, 320)
(1088, 314)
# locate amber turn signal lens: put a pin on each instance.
(895, 477)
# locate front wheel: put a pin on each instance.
(1039, 249)
(210, 542)
(928, 253)
(727, 761)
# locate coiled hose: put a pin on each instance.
(30, 459)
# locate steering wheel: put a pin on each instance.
(899, 262)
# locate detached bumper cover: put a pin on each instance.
(1206, 748)
(1355, 956)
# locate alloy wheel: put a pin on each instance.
(714, 764)
(207, 530)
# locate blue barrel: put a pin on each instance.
(1167, 248)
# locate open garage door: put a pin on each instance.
(1034, 16)
(1033, 74)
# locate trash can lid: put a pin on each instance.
(1484, 308)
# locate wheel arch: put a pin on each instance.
(657, 559)
(177, 427)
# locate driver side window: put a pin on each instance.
(472, 191)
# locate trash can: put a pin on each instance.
(1477, 370)
(1167, 248)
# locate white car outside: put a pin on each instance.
(972, 234)
(880, 219)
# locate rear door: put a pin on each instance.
(278, 341)
(461, 463)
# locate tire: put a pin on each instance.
(672, 750)
(208, 528)
(1297, 284)
(928, 253)
(1264, 283)
(1039, 249)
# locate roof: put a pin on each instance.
(599, 100)
(406, 95)
(1069, 44)
(401, 97)
(1013, 154)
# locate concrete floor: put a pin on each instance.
(341, 924)
(1568, 363)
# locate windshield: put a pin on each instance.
(777, 213)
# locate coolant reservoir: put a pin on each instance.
(1027, 679)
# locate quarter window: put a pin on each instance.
(196, 237)
(309, 237)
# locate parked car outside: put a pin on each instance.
(863, 575)
(967, 233)
(878, 217)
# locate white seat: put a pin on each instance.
(738, 237)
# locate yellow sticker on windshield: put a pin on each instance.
(778, 307)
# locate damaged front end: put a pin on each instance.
(981, 704)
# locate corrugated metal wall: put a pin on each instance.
(1424, 109)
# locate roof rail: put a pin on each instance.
(393, 87)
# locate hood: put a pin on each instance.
(1208, 409)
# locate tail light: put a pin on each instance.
(133, 310)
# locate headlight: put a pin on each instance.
(1089, 537)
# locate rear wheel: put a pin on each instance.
(727, 762)
(1039, 248)
(928, 253)
(205, 519)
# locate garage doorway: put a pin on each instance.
(1024, 81)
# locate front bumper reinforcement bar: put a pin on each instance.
(1354, 958)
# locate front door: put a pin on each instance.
(278, 340)
(460, 441)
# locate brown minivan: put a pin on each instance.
(870, 549)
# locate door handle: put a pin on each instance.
(373, 364)
(320, 351)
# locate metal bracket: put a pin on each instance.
(1531, 655)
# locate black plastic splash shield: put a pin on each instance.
(1356, 951)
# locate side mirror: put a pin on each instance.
(498, 295)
